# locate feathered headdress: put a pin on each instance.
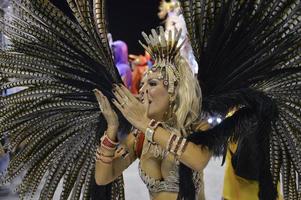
(165, 50)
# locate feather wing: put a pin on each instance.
(253, 49)
(59, 60)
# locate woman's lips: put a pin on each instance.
(143, 101)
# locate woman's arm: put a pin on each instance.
(194, 156)
(109, 161)
(107, 172)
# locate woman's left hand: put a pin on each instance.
(132, 109)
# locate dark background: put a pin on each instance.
(127, 19)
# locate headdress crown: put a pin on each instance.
(164, 48)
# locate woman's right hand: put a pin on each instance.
(107, 111)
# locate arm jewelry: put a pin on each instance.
(109, 145)
(150, 130)
(175, 145)
(107, 159)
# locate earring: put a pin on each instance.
(165, 82)
(170, 116)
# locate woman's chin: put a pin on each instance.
(155, 116)
(150, 116)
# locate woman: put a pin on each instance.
(168, 109)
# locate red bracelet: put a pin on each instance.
(100, 153)
(107, 143)
(103, 159)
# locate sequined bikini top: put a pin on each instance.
(170, 183)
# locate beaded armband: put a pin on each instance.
(176, 145)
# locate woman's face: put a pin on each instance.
(154, 94)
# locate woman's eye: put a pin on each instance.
(152, 83)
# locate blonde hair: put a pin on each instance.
(165, 50)
(188, 97)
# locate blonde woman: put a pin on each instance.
(168, 108)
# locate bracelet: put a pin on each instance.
(103, 159)
(176, 145)
(99, 156)
(150, 130)
(107, 143)
(99, 152)
(182, 147)
(149, 134)
(153, 124)
(170, 141)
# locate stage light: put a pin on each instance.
(210, 120)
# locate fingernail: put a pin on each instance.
(113, 100)
(114, 85)
(94, 90)
(114, 90)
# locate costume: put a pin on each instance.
(251, 47)
(171, 182)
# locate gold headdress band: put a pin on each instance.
(165, 50)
